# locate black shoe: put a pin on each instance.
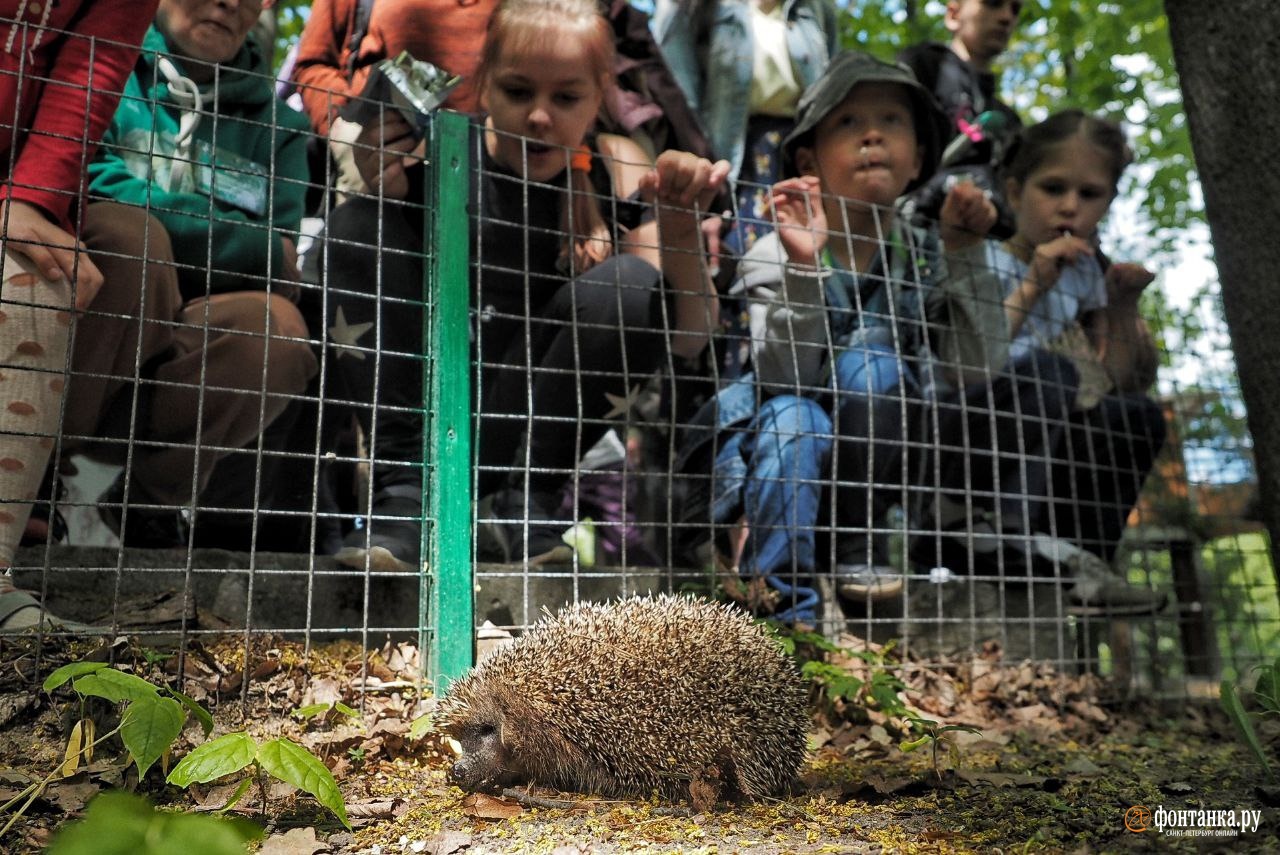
(392, 539)
(142, 522)
(508, 533)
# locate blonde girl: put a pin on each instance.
(587, 275)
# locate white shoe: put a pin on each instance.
(867, 581)
(1096, 589)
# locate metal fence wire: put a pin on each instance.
(464, 412)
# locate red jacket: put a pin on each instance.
(62, 68)
(446, 33)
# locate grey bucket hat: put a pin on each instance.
(845, 71)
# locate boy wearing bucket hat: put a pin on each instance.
(858, 318)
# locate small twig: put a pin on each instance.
(530, 800)
(35, 789)
(783, 803)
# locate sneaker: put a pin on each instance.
(392, 539)
(142, 522)
(863, 573)
(506, 534)
(1096, 589)
(20, 611)
(867, 581)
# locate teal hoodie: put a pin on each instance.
(216, 243)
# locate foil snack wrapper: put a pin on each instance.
(413, 86)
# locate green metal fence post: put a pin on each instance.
(447, 442)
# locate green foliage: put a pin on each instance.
(293, 764)
(70, 672)
(879, 688)
(1112, 58)
(314, 710)
(115, 686)
(1243, 721)
(225, 755)
(149, 727)
(153, 719)
(934, 735)
(120, 823)
(281, 758)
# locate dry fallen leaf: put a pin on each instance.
(379, 809)
(487, 807)
(447, 842)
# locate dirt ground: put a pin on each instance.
(1059, 761)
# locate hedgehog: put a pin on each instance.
(670, 695)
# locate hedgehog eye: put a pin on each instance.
(486, 730)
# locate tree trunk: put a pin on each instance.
(1226, 57)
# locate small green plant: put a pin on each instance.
(879, 688)
(152, 719)
(329, 712)
(1266, 693)
(934, 735)
(280, 758)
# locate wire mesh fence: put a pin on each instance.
(497, 393)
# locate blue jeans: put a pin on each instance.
(785, 453)
(878, 408)
(786, 447)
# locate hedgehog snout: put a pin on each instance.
(462, 774)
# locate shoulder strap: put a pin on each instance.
(364, 9)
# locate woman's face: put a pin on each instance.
(542, 100)
(207, 30)
(1069, 192)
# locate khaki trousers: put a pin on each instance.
(167, 386)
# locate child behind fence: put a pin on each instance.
(859, 318)
(1065, 436)
(579, 293)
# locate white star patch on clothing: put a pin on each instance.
(345, 336)
(621, 405)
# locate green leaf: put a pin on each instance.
(201, 714)
(148, 729)
(120, 823)
(311, 711)
(339, 706)
(420, 726)
(907, 746)
(115, 686)
(1267, 690)
(210, 761)
(843, 686)
(293, 764)
(1236, 712)
(67, 672)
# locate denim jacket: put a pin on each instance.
(711, 58)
